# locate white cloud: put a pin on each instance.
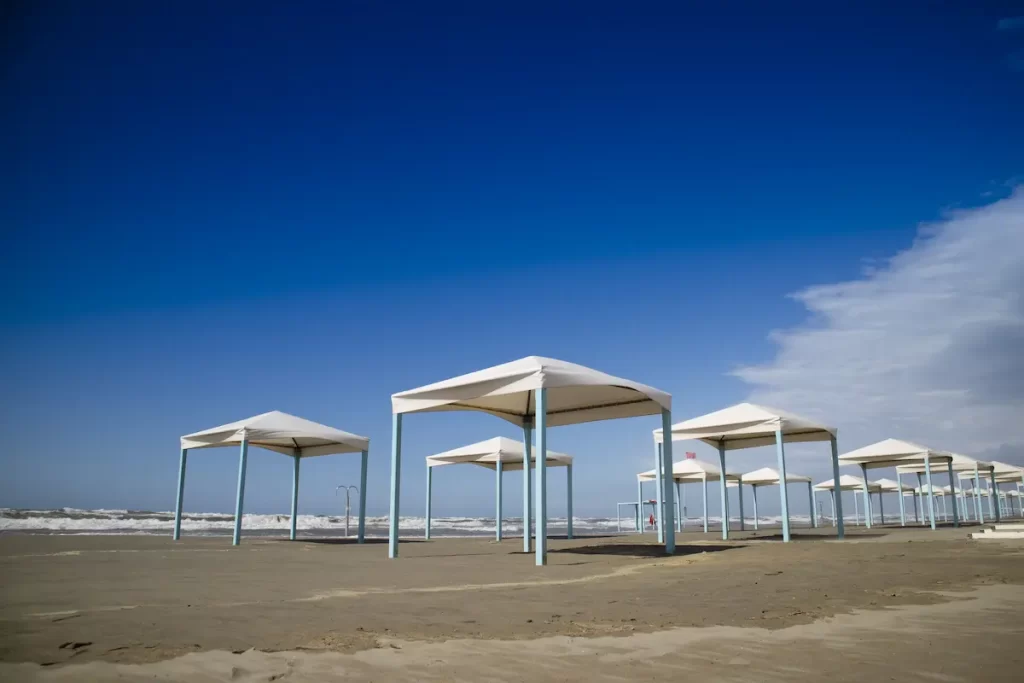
(928, 346)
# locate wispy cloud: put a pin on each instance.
(928, 346)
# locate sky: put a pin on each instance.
(211, 211)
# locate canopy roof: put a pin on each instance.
(1002, 469)
(936, 490)
(508, 452)
(746, 425)
(766, 476)
(961, 463)
(280, 432)
(893, 452)
(848, 482)
(692, 470)
(575, 394)
(890, 486)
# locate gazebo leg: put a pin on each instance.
(739, 490)
(705, 503)
(757, 522)
(917, 509)
(838, 512)
(931, 492)
(497, 501)
(995, 494)
(833, 492)
(953, 495)
(639, 506)
(899, 492)
(867, 497)
(814, 512)
(568, 516)
(659, 485)
(361, 533)
(856, 512)
(542, 478)
(679, 507)
(430, 491)
(527, 508)
(783, 489)
(724, 493)
(181, 493)
(295, 496)
(243, 456)
(666, 477)
(881, 510)
(396, 480)
(977, 496)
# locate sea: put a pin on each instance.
(146, 522)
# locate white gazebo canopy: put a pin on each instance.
(533, 393)
(282, 433)
(890, 486)
(766, 476)
(1005, 473)
(685, 471)
(747, 425)
(848, 482)
(502, 455)
(960, 463)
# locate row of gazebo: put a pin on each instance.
(535, 393)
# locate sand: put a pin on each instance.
(905, 604)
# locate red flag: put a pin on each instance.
(691, 456)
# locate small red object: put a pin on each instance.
(691, 456)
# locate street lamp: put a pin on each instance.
(348, 506)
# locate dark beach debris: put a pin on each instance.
(75, 645)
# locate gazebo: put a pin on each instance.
(847, 482)
(958, 463)
(532, 393)
(746, 425)
(281, 433)
(689, 471)
(901, 489)
(501, 455)
(766, 476)
(897, 453)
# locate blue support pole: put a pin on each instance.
(682, 505)
(705, 503)
(497, 501)
(931, 491)
(666, 429)
(430, 492)
(723, 491)
(753, 490)
(542, 478)
(783, 489)
(243, 456)
(833, 492)
(977, 495)
(679, 508)
(814, 513)
(881, 509)
(856, 512)
(396, 483)
(953, 494)
(899, 492)
(995, 494)
(527, 459)
(659, 485)
(181, 493)
(739, 490)
(364, 457)
(568, 512)
(867, 497)
(838, 516)
(917, 508)
(639, 506)
(295, 495)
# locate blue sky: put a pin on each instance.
(210, 212)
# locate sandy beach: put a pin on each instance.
(909, 604)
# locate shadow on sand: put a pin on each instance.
(640, 550)
(344, 541)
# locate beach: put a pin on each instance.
(909, 603)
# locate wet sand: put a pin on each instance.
(909, 604)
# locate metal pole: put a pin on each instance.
(568, 516)
(542, 478)
(840, 529)
(953, 495)
(181, 493)
(995, 493)
(739, 490)
(396, 483)
(527, 447)
(931, 491)
(362, 497)
(243, 456)
(723, 491)
(497, 501)
(659, 486)
(705, 502)
(679, 508)
(899, 492)
(430, 491)
(833, 492)
(881, 509)
(639, 506)
(295, 495)
(783, 489)
(867, 497)
(753, 490)
(814, 514)
(666, 430)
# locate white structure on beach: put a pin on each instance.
(533, 393)
(890, 486)
(686, 471)
(282, 433)
(959, 464)
(848, 482)
(900, 454)
(746, 425)
(766, 476)
(501, 455)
